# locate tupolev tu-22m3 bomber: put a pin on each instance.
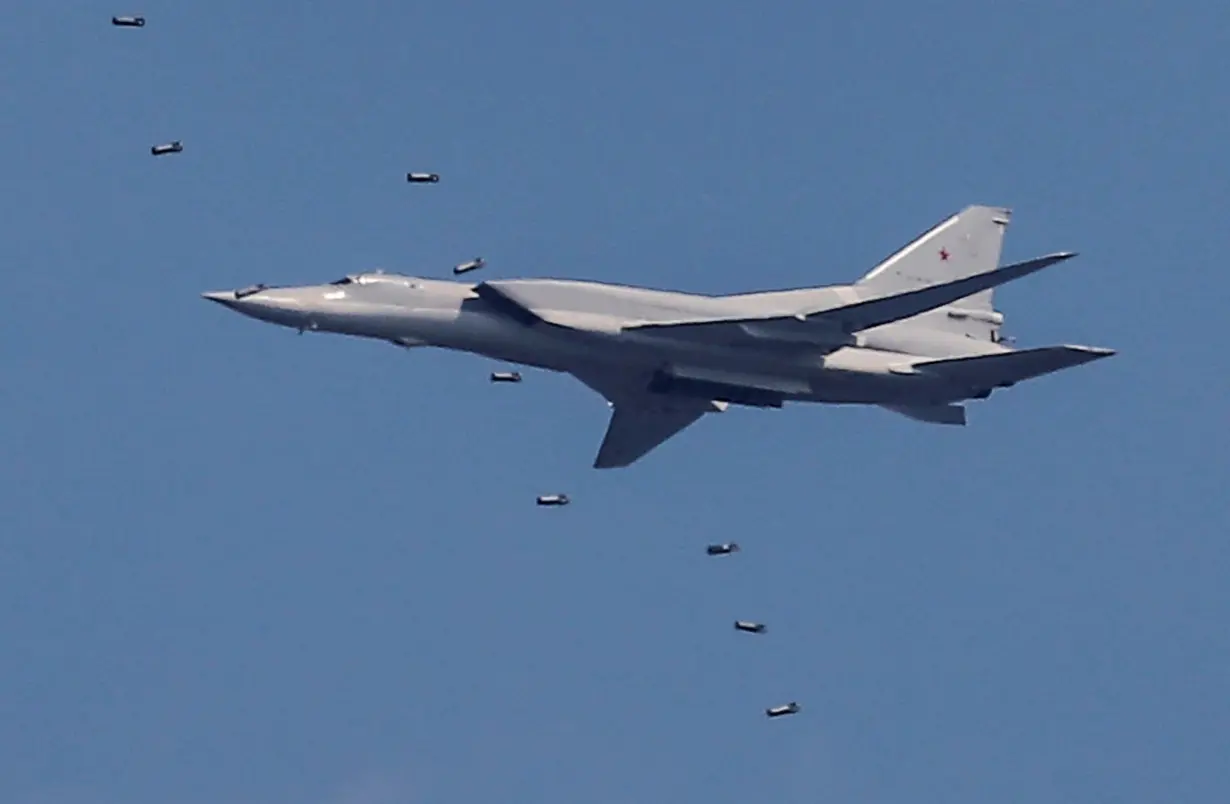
(918, 335)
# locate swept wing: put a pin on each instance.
(860, 314)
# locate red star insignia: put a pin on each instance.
(944, 254)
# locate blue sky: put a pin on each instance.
(237, 565)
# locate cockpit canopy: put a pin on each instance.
(376, 278)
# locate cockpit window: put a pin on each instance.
(375, 277)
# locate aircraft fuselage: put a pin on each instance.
(871, 369)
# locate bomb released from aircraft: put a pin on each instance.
(553, 499)
(722, 549)
(506, 376)
(751, 627)
(169, 148)
(128, 22)
(786, 709)
(472, 265)
(422, 178)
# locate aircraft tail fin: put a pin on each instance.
(965, 244)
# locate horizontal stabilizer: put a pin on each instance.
(931, 414)
(1002, 370)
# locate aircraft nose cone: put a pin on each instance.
(284, 306)
(223, 297)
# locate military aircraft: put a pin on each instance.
(918, 335)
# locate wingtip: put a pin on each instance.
(1094, 352)
(1037, 263)
(605, 460)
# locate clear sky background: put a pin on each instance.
(242, 566)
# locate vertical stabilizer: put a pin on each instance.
(965, 244)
